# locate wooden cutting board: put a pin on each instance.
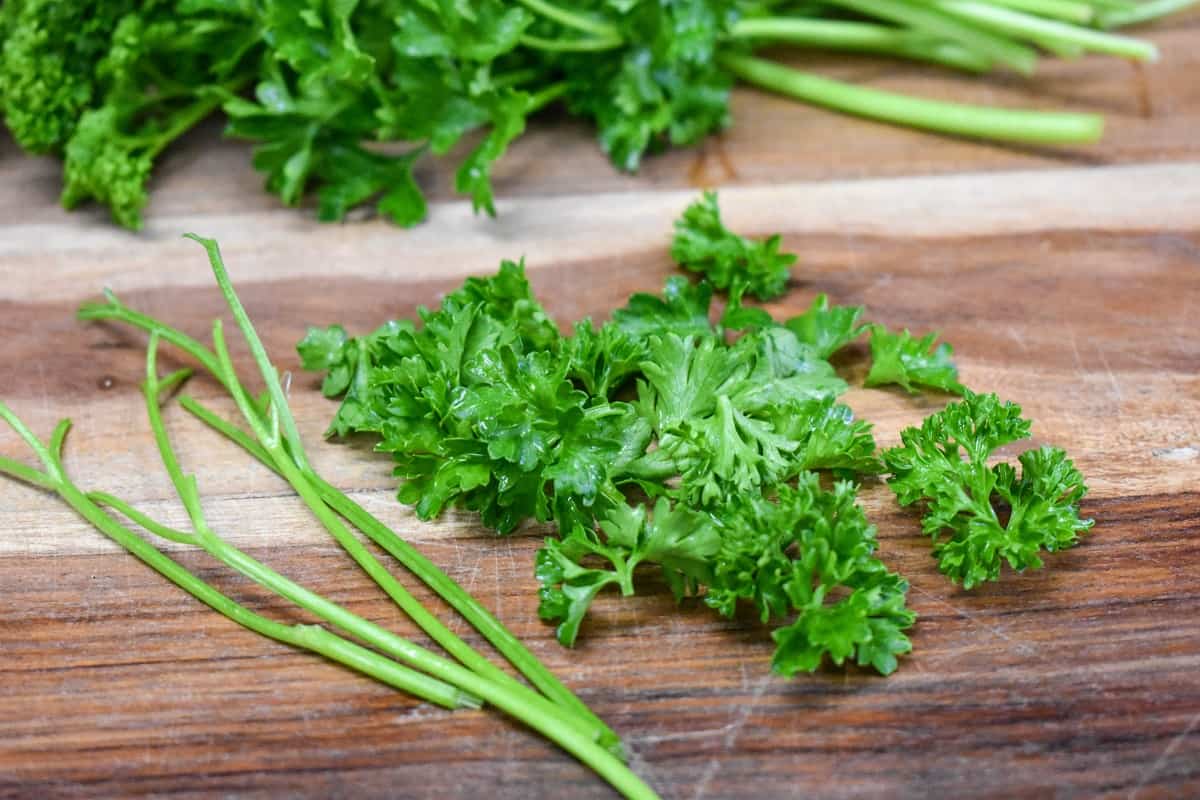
(1069, 281)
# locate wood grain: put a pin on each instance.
(1069, 282)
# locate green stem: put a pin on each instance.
(114, 310)
(257, 350)
(546, 96)
(520, 702)
(515, 77)
(1066, 10)
(185, 120)
(592, 44)
(981, 122)
(937, 23)
(859, 37)
(325, 643)
(479, 617)
(1048, 31)
(143, 520)
(1144, 12)
(26, 474)
(272, 452)
(297, 472)
(571, 19)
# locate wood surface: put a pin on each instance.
(1069, 281)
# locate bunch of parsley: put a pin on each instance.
(661, 437)
(318, 86)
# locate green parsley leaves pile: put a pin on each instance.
(660, 440)
(316, 85)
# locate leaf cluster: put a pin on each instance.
(674, 441)
(981, 516)
(703, 244)
(658, 438)
(342, 98)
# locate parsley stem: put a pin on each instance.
(546, 96)
(981, 122)
(274, 455)
(936, 22)
(26, 474)
(143, 520)
(571, 19)
(514, 77)
(1047, 32)
(268, 371)
(479, 617)
(591, 44)
(1066, 10)
(864, 37)
(1143, 12)
(185, 119)
(520, 702)
(308, 637)
(296, 470)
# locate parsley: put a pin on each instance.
(901, 359)
(462, 677)
(827, 328)
(484, 405)
(810, 554)
(703, 244)
(316, 85)
(981, 516)
(663, 440)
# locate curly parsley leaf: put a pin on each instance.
(901, 359)
(978, 516)
(809, 554)
(682, 310)
(49, 55)
(659, 85)
(603, 359)
(680, 540)
(827, 328)
(703, 244)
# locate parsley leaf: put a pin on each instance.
(811, 553)
(827, 328)
(485, 405)
(901, 359)
(682, 310)
(49, 54)
(703, 244)
(682, 541)
(943, 466)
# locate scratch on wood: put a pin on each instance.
(1149, 774)
(731, 736)
(1112, 379)
(1023, 649)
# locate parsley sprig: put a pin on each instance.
(662, 441)
(979, 516)
(461, 678)
(317, 86)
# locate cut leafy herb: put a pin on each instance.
(912, 363)
(827, 328)
(703, 244)
(791, 555)
(330, 80)
(485, 405)
(980, 516)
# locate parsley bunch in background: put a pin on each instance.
(318, 86)
(662, 437)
